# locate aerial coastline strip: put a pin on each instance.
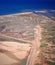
(16, 14)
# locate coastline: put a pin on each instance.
(47, 13)
(16, 14)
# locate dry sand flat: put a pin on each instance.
(5, 60)
(13, 52)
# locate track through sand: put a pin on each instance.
(35, 46)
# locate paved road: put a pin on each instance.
(35, 46)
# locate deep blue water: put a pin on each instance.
(16, 6)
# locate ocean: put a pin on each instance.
(18, 6)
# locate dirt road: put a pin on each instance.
(35, 46)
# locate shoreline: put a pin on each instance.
(22, 13)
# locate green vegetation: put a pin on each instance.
(51, 63)
(48, 44)
(37, 64)
(50, 34)
(41, 56)
(24, 61)
(44, 45)
(9, 39)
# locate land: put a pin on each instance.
(13, 52)
(21, 38)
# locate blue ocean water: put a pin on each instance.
(17, 6)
